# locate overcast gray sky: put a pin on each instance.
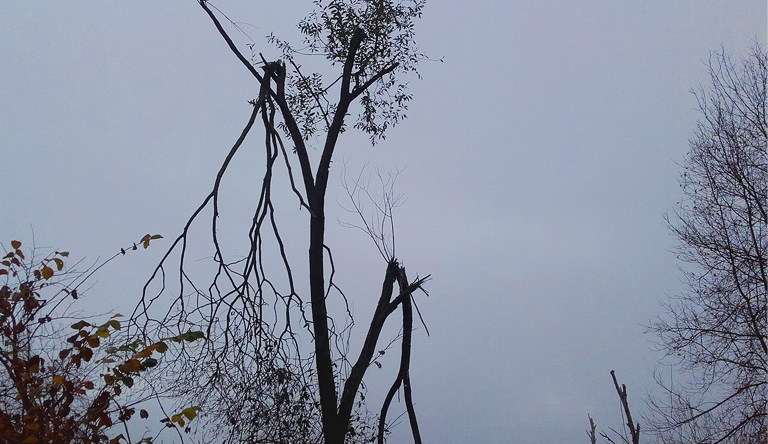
(540, 158)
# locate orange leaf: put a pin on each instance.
(58, 379)
(130, 365)
(16, 244)
(47, 272)
(147, 352)
(178, 419)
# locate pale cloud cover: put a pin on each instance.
(540, 159)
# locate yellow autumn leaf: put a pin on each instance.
(190, 412)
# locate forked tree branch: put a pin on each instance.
(634, 428)
(591, 432)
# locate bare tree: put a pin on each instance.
(630, 432)
(715, 333)
(277, 365)
(591, 431)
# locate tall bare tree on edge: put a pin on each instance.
(716, 332)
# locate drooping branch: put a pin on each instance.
(240, 341)
(145, 303)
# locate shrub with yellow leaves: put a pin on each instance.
(66, 387)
